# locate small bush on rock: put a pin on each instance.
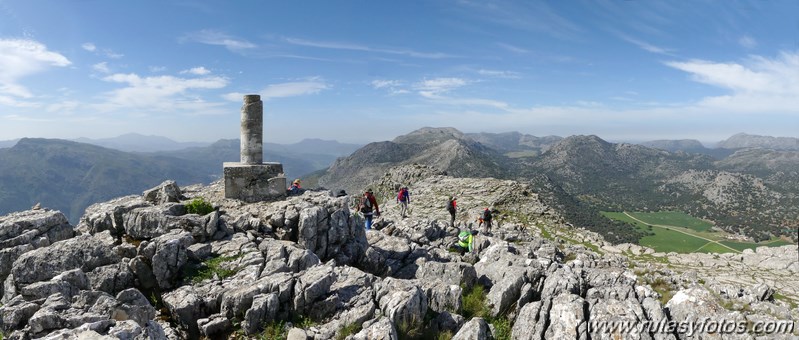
(199, 206)
(474, 304)
(348, 330)
(214, 267)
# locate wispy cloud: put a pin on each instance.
(499, 74)
(513, 48)
(433, 88)
(747, 42)
(101, 67)
(364, 48)
(218, 38)
(159, 93)
(645, 45)
(533, 16)
(91, 47)
(393, 87)
(20, 58)
(200, 71)
(758, 85)
(288, 89)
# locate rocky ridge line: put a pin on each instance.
(130, 270)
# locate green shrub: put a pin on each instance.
(199, 206)
(275, 330)
(502, 328)
(348, 330)
(474, 303)
(445, 335)
(410, 329)
(210, 268)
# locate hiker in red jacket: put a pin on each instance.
(368, 206)
(403, 198)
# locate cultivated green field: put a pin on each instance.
(675, 218)
(678, 232)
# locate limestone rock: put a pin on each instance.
(168, 191)
(476, 328)
(381, 329)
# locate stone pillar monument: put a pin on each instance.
(252, 180)
(252, 130)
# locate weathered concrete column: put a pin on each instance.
(252, 130)
(252, 180)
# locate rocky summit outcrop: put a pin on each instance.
(144, 267)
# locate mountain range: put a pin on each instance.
(70, 176)
(751, 192)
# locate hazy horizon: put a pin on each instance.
(706, 143)
(360, 72)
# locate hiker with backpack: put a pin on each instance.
(295, 188)
(485, 218)
(452, 207)
(403, 198)
(368, 207)
(465, 242)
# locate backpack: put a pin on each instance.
(367, 205)
(451, 205)
(487, 215)
(402, 195)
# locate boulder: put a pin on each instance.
(168, 191)
(526, 322)
(402, 301)
(476, 328)
(109, 215)
(82, 252)
(382, 329)
(567, 318)
(169, 257)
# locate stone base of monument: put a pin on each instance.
(254, 182)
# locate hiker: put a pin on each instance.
(295, 187)
(465, 241)
(485, 218)
(368, 206)
(403, 198)
(452, 207)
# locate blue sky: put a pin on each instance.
(359, 71)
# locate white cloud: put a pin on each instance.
(433, 88)
(356, 47)
(644, 45)
(157, 69)
(89, 47)
(747, 42)
(212, 37)
(101, 67)
(159, 93)
(512, 48)
(63, 107)
(200, 71)
(393, 87)
(379, 84)
(111, 54)
(499, 74)
(20, 58)
(283, 90)
(758, 85)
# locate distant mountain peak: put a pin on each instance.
(744, 140)
(427, 135)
